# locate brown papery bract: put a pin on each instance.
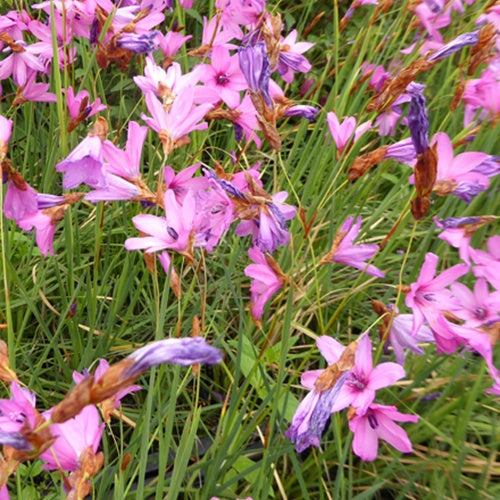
(332, 373)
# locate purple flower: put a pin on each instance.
(255, 65)
(84, 165)
(185, 351)
(455, 45)
(417, 118)
(344, 251)
(307, 112)
(378, 423)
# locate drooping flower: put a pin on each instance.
(378, 422)
(267, 280)
(73, 438)
(290, 57)
(418, 121)
(345, 252)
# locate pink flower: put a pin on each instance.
(183, 182)
(488, 263)
(31, 91)
(364, 380)
(223, 75)
(267, 280)
(183, 117)
(476, 308)
(73, 437)
(170, 232)
(45, 230)
(345, 252)
(428, 296)
(378, 423)
(5, 133)
(341, 133)
(20, 200)
(75, 103)
(20, 63)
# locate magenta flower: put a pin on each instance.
(5, 133)
(170, 232)
(476, 308)
(32, 91)
(17, 414)
(20, 63)
(482, 94)
(378, 423)
(267, 280)
(457, 174)
(428, 297)
(73, 437)
(364, 380)
(45, 230)
(20, 200)
(126, 163)
(223, 75)
(345, 252)
(487, 264)
(75, 103)
(183, 117)
(183, 182)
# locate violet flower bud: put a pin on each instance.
(186, 351)
(15, 440)
(417, 118)
(402, 151)
(455, 45)
(48, 200)
(454, 222)
(489, 167)
(307, 112)
(227, 186)
(256, 68)
(141, 44)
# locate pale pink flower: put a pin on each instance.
(487, 263)
(19, 201)
(341, 133)
(73, 437)
(45, 230)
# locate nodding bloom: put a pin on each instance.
(74, 437)
(267, 280)
(256, 68)
(20, 197)
(79, 107)
(487, 263)
(5, 133)
(314, 410)
(455, 45)
(345, 252)
(418, 121)
(378, 422)
(290, 57)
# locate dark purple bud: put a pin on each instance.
(254, 64)
(435, 6)
(453, 222)
(185, 351)
(430, 397)
(141, 44)
(238, 132)
(455, 45)
(15, 440)
(227, 186)
(94, 30)
(418, 122)
(307, 112)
